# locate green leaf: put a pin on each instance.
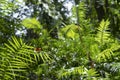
(70, 31)
(31, 23)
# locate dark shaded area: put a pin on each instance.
(99, 9)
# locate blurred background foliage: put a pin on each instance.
(59, 39)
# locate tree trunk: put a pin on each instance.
(77, 11)
(106, 6)
(99, 9)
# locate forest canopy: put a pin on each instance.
(59, 40)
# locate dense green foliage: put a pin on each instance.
(39, 40)
(18, 60)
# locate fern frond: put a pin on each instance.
(103, 25)
(81, 71)
(18, 58)
(103, 35)
(104, 55)
(108, 54)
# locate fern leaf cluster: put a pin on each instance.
(17, 58)
(81, 71)
(103, 35)
(93, 51)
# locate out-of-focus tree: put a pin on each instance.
(51, 14)
(97, 10)
(8, 24)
